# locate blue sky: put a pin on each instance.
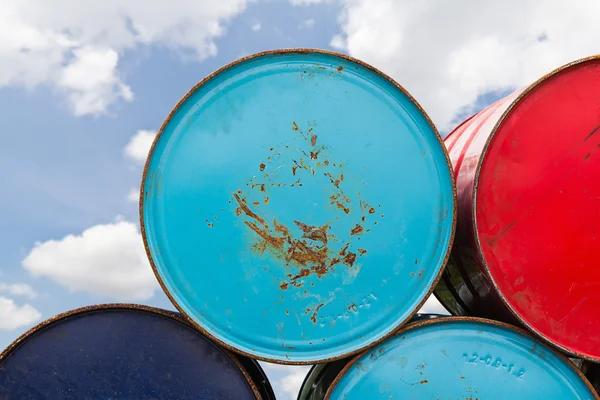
(77, 87)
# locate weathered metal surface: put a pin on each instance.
(121, 351)
(460, 358)
(298, 206)
(527, 242)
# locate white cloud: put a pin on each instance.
(291, 383)
(91, 81)
(75, 47)
(449, 53)
(307, 24)
(309, 2)
(433, 306)
(18, 289)
(286, 380)
(138, 147)
(133, 195)
(13, 316)
(105, 260)
(255, 26)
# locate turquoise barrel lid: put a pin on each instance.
(461, 358)
(298, 206)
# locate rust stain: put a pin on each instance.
(357, 230)
(342, 207)
(211, 225)
(349, 259)
(424, 381)
(314, 233)
(270, 240)
(313, 317)
(302, 246)
(340, 69)
(344, 249)
(244, 207)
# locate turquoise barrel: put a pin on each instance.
(452, 358)
(298, 206)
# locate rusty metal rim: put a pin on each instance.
(121, 306)
(488, 142)
(279, 52)
(465, 319)
(268, 391)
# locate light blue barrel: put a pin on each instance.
(298, 206)
(461, 358)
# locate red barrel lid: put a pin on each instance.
(537, 208)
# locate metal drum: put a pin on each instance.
(459, 358)
(298, 206)
(120, 351)
(528, 233)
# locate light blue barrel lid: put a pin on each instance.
(461, 358)
(298, 206)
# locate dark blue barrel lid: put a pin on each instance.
(120, 352)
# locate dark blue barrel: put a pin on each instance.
(124, 352)
(452, 358)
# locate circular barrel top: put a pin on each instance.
(120, 352)
(461, 358)
(297, 206)
(537, 208)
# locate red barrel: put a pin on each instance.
(527, 247)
